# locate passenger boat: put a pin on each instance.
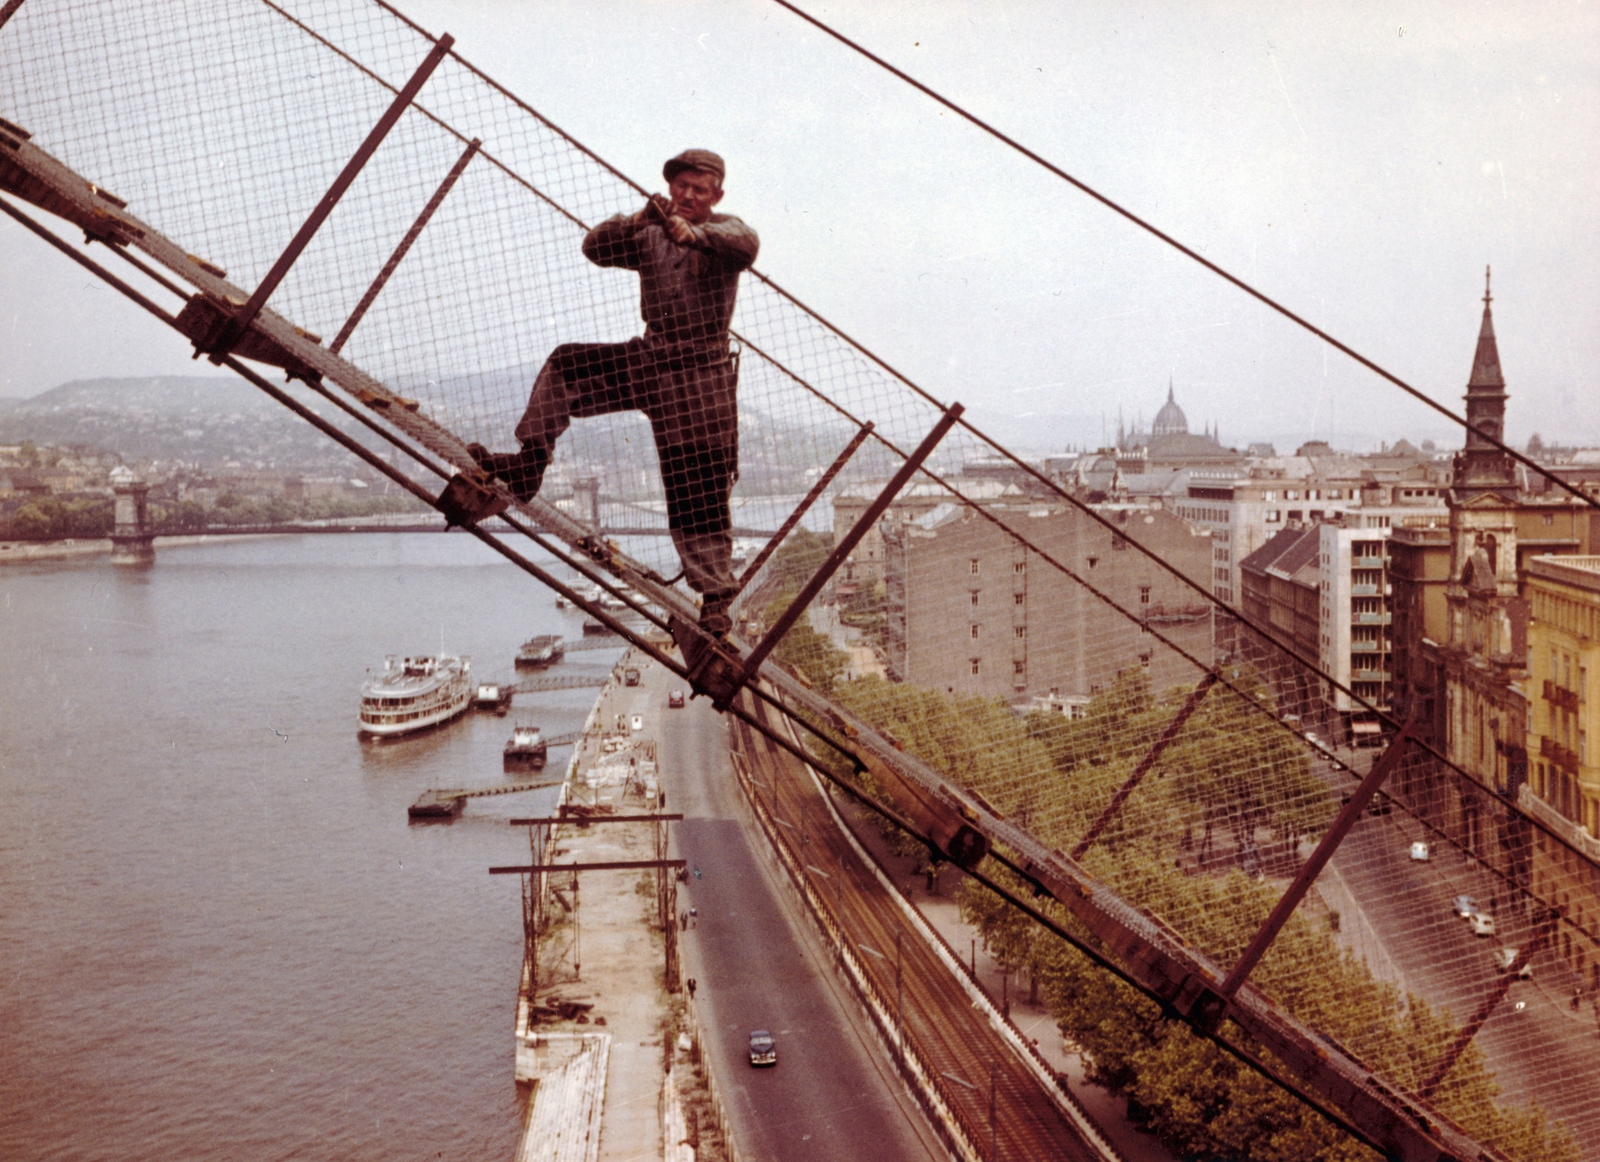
(415, 693)
(544, 650)
(526, 750)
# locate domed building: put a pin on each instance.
(1170, 420)
(1170, 445)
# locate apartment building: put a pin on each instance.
(971, 610)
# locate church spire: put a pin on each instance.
(1480, 466)
(1486, 360)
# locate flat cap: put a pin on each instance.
(700, 159)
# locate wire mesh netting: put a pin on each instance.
(1063, 658)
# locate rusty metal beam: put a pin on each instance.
(229, 333)
(800, 511)
(858, 530)
(410, 237)
(1301, 884)
(1190, 705)
(9, 11)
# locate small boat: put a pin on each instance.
(595, 628)
(492, 696)
(546, 649)
(415, 693)
(526, 750)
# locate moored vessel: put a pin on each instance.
(415, 693)
(545, 649)
(526, 750)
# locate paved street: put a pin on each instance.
(833, 1094)
(1544, 1051)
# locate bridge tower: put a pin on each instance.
(132, 541)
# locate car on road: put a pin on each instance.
(1419, 851)
(1504, 958)
(630, 677)
(763, 1049)
(1465, 907)
(675, 700)
(638, 723)
(1482, 924)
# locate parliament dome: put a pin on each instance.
(1170, 420)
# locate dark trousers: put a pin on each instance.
(691, 403)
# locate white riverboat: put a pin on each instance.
(415, 693)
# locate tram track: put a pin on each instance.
(963, 1056)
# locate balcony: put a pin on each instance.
(1369, 675)
(1368, 562)
(1369, 647)
(1560, 696)
(1366, 590)
(1369, 619)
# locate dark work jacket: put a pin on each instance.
(686, 293)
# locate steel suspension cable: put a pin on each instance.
(1121, 210)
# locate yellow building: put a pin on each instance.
(1563, 716)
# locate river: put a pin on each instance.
(219, 938)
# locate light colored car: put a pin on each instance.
(1482, 924)
(1419, 851)
(675, 700)
(1505, 957)
(763, 1049)
(1465, 907)
(638, 723)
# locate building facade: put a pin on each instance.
(1563, 789)
(971, 610)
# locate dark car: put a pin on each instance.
(675, 700)
(763, 1049)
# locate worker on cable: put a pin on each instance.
(680, 372)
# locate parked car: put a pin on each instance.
(675, 700)
(1465, 907)
(763, 1049)
(1419, 851)
(1482, 924)
(630, 677)
(638, 723)
(1504, 958)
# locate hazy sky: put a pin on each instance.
(1363, 162)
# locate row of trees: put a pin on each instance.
(1231, 767)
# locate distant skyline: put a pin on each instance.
(1361, 162)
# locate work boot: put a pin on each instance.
(522, 471)
(714, 618)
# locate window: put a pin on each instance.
(974, 598)
(1119, 542)
(1274, 516)
(1020, 631)
(972, 566)
(974, 632)
(974, 665)
(1144, 595)
(1020, 597)
(1019, 567)
(1019, 667)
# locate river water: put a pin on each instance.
(219, 938)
